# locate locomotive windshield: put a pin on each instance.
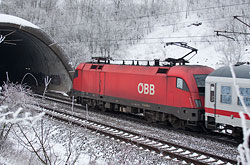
(200, 82)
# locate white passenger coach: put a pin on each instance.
(222, 105)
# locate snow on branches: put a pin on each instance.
(16, 105)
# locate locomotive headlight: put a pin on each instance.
(198, 103)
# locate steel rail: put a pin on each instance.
(162, 147)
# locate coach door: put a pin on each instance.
(101, 83)
(213, 96)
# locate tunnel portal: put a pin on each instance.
(25, 49)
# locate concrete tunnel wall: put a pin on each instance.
(33, 52)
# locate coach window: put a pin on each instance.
(212, 92)
(181, 84)
(226, 95)
(245, 92)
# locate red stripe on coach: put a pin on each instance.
(225, 113)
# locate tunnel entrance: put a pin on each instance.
(27, 50)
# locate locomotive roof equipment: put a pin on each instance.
(169, 62)
(181, 60)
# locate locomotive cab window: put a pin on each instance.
(245, 93)
(200, 82)
(181, 84)
(226, 95)
(76, 74)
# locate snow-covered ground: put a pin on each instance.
(93, 148)
(201, 37)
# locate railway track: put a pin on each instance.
(169, 150)
(215, 136)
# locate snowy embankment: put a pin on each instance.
(195, 33)
(85, 146)
(93, 148)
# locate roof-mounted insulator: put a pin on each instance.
(102, 59)
(242, 63)
(157, 62)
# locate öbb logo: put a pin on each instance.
(147, 89)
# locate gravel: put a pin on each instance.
(166, 134)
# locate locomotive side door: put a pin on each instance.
(170, 90)
(101, 83)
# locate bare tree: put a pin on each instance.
(37, 139)
(232, 52)
(15, 108)
(38, 144)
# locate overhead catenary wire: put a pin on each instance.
(154, 15)
(165, 25)
(161, 42)
(180, 23)
(70, 43)
(93, 39)
(236, 17)
(97, 40)
(186, 22)
(221, 19)
(149, 38)
(231, 32)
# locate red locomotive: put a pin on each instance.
(172, 94)
(169, 93)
